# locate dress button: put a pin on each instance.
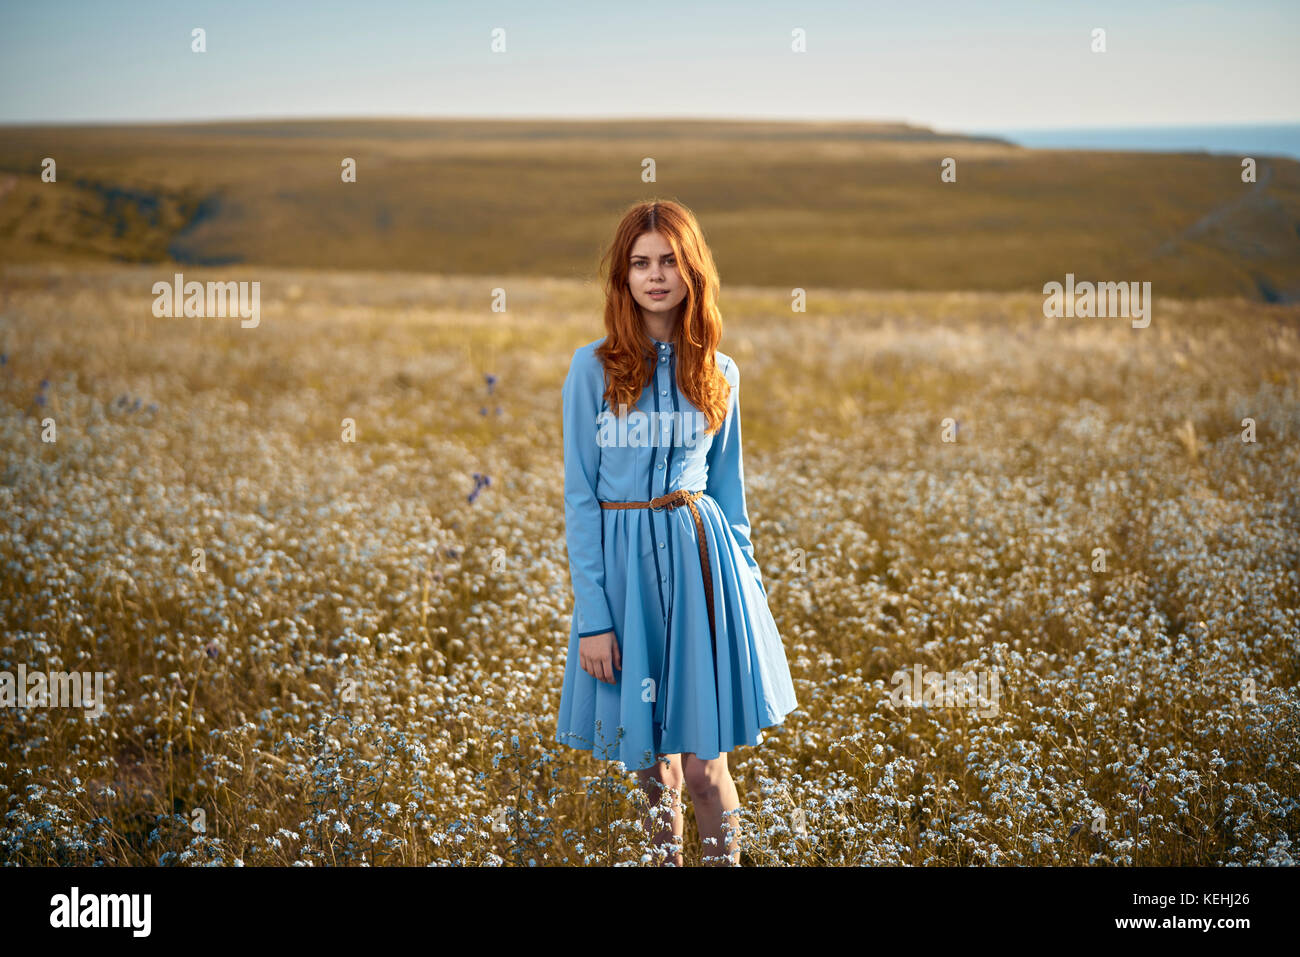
(661, 544)
(663, 358)
(661, 464)
(663, 391)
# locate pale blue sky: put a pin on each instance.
(949, 65)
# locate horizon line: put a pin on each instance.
(693, 117)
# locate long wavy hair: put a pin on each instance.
(627, 348)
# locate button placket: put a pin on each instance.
(664, 379)
(661, 449)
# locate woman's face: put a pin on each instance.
(653, 277)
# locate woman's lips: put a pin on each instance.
(657, 295)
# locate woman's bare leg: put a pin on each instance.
(666, 774)
(714, 795)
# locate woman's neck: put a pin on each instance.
(660, 326)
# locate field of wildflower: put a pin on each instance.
(319, 651)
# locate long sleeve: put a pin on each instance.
(583, 521)
(726, 482)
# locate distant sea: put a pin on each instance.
(1251, 140)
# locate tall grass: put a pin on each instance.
(367, 667)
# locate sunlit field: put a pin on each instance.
(830, 204)
(318, 651)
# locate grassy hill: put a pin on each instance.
(842, 205)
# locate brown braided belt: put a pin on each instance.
(669, 502)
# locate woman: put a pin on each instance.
(674, 658)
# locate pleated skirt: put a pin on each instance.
(680, 690)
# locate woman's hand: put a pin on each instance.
(598, 655)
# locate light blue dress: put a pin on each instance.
(637, 572)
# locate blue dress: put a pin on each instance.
(637, 573)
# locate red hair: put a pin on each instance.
(627, 347)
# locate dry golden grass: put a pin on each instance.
(1148, 713)
(843, 205)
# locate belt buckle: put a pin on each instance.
(667, 505)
